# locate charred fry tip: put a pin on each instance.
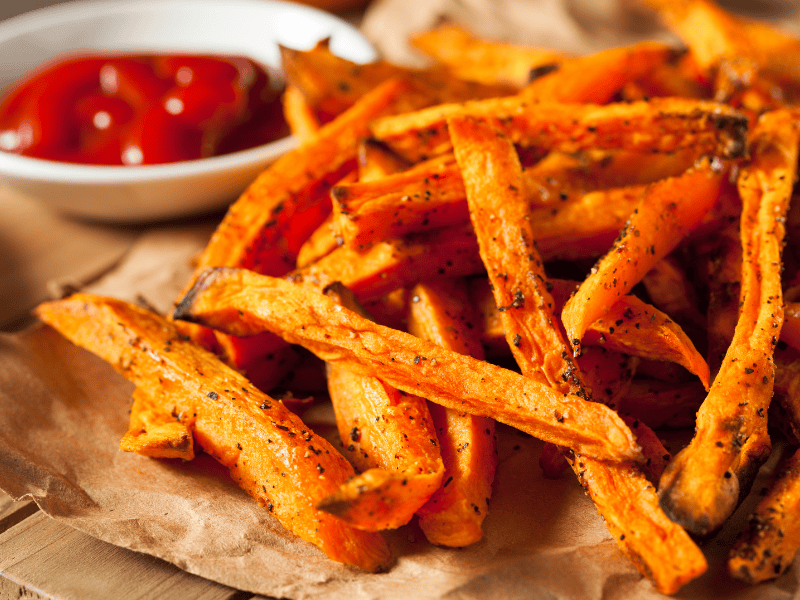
(333, 505)
(698, 518)
(183, 308)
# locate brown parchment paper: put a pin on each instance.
(62, 413)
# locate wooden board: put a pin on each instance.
(42, 558)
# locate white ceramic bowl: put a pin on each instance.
(252, 28)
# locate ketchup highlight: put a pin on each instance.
(140, 109)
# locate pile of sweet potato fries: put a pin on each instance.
(614, 224)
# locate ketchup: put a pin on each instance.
(140, 109)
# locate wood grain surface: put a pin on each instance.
(43, 558)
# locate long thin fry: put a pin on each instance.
(241, 302)
(660, 125)
(622, 493)
(269, 451)
(441, 313)
(634, 327)
(392, 439)
(668, 211)
(389, 435)
(492, 177)
(700, 488)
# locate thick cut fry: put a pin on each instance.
(767, 547)
(598, 77)
(269, 451)
(700, 488)
(660, 125)
(396, 263)
(390, 436)
(154, 430)
(241, 302)
(634, 327)
(492, 177)
(482, 60)
(668, 211)
(441, 313)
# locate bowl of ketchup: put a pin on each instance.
(150, 109)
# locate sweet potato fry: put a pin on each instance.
(668, 211)
(630, 327)
(389, 435)
(660, 125)
(241, 302)
(441, 313)
(155, 431)
(725, 268)
(607, 373)
(427, 196)
(787, 388)
(715, 36)
(598, 77)
(266, 227)
(700, 488)
(766, 548)
(633, 327)
(268, 450)
(395, 263)
(515, 272)
(658, 548)
(469, 57)
(492, 176)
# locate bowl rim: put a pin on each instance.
(27, 167)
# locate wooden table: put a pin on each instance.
(42, 558)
